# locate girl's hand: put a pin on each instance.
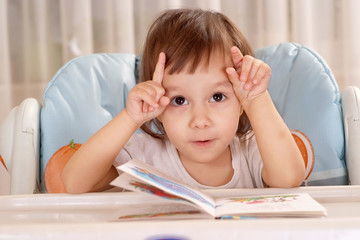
(250, 77)
(147, 100)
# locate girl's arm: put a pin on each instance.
(283, 163)
(91, 167)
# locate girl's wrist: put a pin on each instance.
(255, 102)
(132, 123)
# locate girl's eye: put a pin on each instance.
(179, 101)
(218, 97)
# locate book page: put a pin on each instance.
(151, 176)
(170, 207)
(161, 212)
(282, 205)
(134, 184)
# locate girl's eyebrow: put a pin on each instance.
(223, 83)
(171, 88)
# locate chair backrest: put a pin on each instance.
(84, 95)
(306, 95)
(350, 103)
(89, 91)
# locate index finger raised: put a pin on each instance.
(237, 57)
(159, 68)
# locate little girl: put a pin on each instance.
(206, 115)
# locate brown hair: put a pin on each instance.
(187, 36)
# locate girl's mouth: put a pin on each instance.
(203, 143)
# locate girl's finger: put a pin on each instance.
(155, 89)
(246, 67)
(263, 74)
(149, 105)
(145, 107)
(232, 75)
(237, 58)
(234, 78)
(254, 69)
(147, 95)
(159, 68)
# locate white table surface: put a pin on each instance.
(93, 216)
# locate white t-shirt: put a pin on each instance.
(246, 160)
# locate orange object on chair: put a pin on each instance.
(55, 166)
(306, 149)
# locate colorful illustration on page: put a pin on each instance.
(154, 190)
(262, 199)
(182, 190)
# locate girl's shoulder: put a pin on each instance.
(246, 141)
(245, 147)
(144, 140)
(141, 146)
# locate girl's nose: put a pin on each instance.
(200, 118)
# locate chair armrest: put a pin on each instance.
(350, 99)
(20, 146)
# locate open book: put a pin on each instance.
(182, 201)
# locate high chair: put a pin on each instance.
(88, 91)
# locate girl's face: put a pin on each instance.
(203, 115)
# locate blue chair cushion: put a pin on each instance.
(84, 95)
(306, 95)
